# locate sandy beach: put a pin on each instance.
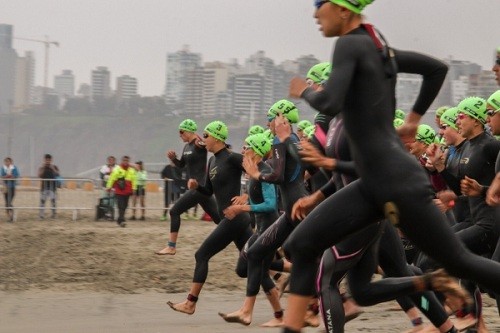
(87, 276)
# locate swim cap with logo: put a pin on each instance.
(303, 124)
(494, 100)
(400, 114)
(269, 134)
(259, 143)
(309, 131)
(285, 107)
(355, 6)
(218, 130)
(474, 107)
(449, 117)
(188, 125)
(326, 73)
(398, 122)
(316, 72)
(425, 134)
(255, 129)
(440, 110)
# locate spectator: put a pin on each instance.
(140, 191)
(123, 181)
(9, 174)
(49, 173)
(106, 169)
(174, 174)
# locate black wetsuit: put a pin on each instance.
(224, 181)
(264, 205)
(286, 172)
(392, 182)
(194, 159)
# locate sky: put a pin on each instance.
(132, 37)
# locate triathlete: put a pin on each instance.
(363, 88)
(286, 172)
(194, 159)
(223, 179)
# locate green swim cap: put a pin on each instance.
(449, 117)
(440, 110)
(218, 130)
(355, 6)
(255, 129)
(316, 72)
(326, 73)
(285, 107)
(259, 143)
(474, 107)
(494, 100)
(309, 131)
(188, 125)
(398, 122)
(269, 134)
(400, 114)
(425, 134)
(303, 124)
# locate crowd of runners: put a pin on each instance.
(362, 189)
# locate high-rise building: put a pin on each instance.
(247, 91)
(259, 64)
(215, 81)
(178, 64)
(8, 59)
(407, 89)
(126, 87)
(24, 82)
(100, 83)
(64, 84)
(193, 91)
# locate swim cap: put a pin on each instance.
(398, 122)
(316, 72)
(355, 6)
(309, 131)
(474, 107)
(188, 125)
(269, 134)
(425, 134)
(259, 143)
(440, 110)
(400, 114)
(494, 100)
(285, 107)
(326, 73)
(255, 129)
(303, 124)
(218, 130)
(449, 117)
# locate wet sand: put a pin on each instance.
(86, 276)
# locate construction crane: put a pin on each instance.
(47, 43)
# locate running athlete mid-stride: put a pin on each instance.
(363, 89)
(194, 159)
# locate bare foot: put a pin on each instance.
(166, 251)
(275, 322)
(311, 319)
(351, 310)
(186, 307)
(456, 296)
(422, 329)
(236, 317)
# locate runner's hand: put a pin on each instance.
(251, 167)
(493, 193)
(297, 87)
(192, 184)
(470, 187)
(240, 199)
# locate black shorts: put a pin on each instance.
(140, 191)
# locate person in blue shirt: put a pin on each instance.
(9, 174)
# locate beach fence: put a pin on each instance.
(77, 198)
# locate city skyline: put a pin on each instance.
(133, 38)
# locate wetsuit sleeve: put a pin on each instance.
(276, 174)
(330, 187)
(330, 100)
(180, 163)
(270, 202)
(491, 150)
(207, 188)
(346, 167)
(452, 182)
(432, 70)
